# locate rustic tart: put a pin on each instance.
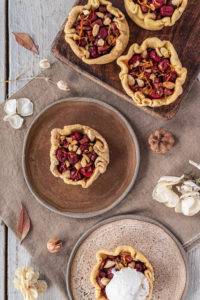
(79, 154)
(155, 14)
(122, 273)
(151, 73)
(98, 33)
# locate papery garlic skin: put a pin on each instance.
(44, 64)
(27, 282)
(62, 85)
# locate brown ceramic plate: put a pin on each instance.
(156, 242)
(110, 188)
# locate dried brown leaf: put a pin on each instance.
(23, 225)
(24, 40)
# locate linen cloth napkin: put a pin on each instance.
(46, 224)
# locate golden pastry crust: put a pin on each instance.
(147, 21)
(168, 49)
(100, 148)
(135, 254)
(121, 41)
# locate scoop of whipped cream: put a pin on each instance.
(128, 284)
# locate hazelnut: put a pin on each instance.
(131, 80)
(131, 265)
(105, 281)
(161, 141)
(54, 245)
(95, 30)
(86, 12)
(107, 21)
(164, 52)
(140, 82)
(100, 15)
(109, 264)
(169, 85)
(100, 43)
(78, 151)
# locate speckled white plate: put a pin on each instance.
(159, 245)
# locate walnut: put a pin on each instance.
(54, 245)
(161, 141)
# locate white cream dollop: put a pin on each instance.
(128, 284)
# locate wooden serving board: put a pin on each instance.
(184, 35)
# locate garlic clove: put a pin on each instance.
(190, 206)
(44, 64)
(62, 85)
(10, 107)
(15, 121)
(24, 107)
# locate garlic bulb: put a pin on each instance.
(28, 283)
(179, 193)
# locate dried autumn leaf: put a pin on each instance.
(23, 225)
(24, 40)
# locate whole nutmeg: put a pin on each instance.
(161, 141)
(54, 245)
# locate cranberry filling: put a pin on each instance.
(76, 155)
(117, 262)
(160, 8)
(97, 31)
(151, 74)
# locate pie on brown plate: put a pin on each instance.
(79, 154)
(110, 263)
(155, 14)
(97, 33)
(151, 73)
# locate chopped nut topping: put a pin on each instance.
(95, 30)
(144, 54)
(100, 42)
(131, 80)
(105, 281)
(107, 21)
(86, 12)
(164, 52)
(100, 14)
(109, 264)
(169, 85)
(140, 82)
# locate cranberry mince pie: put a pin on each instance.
(122, 273)
(98, 33)
(151, 73)
(79, 154)
(155, 14)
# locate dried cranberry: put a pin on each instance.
(92, 156)
(102, 8)
(87, 171)
(134, 59)
(64, 143)
(166, 11)
(158, 3)
(164, 64)
(156, 93)
(170, 76)
(94, 51)
(92, 16)
(102, 274)
(103, 49)
(62, 167)
(144, 8)
(103, 33)
(61, 154)
(84, 147)
(154, 56)
(109, 273)
(75, 175)
(84, 140)
(72, 157)
(155, 69)
(82, 42)
(76, 136)
(168, 92)
(140, 266)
